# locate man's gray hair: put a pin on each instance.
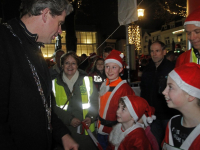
(34, 7)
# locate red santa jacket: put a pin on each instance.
(134, 138)
(192, 142)
(184, 58)
(108, 102)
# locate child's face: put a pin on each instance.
(100, 65)
(123, 115)
(112, 71)
(174, 96)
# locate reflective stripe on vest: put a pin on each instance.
(86, 90)
(193, 57)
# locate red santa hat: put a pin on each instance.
(193, 18)
(115, 57)
(137, 106)
(93, 55)
(187, 77)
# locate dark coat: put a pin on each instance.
(153, 83)
(23, 123)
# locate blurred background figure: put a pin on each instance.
(91, 60)
(55, 70)
(142, 64)
(98, 73)
(84, 62)
(76, 100)
(171, 57)
(107, 51)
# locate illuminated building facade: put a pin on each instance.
(86, 43)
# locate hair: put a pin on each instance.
(60, 50)
(170, 53)
(66, 55)
(94, 68)
(121, 101)
(161, 44)
(107, 49)
(34, 7)
(84, 55)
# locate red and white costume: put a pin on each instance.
(193, 19)
(192, 142)
(132, 138)
(109, 99)
(184, 58)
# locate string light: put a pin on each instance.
(182, 13)
(134, 36)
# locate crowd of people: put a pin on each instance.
(50, 108)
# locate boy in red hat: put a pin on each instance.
(110, 92)
(192, 28)
(128, 134)
(183, 93)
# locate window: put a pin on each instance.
(146, 38)
(179, 37)
(167, 40)
(172, 26)
(86, 43)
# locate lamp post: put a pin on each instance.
(133, 42)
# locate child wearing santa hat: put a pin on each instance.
(110, 92)
(183, 93)
(128, 133)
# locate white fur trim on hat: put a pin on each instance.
(191, 90)
(113, 61)
(130, 108)
(196, 23)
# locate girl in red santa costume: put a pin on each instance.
(128, 133)
(183, 93)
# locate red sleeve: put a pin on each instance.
(166, 139)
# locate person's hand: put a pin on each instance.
(69, 143)
(75, 122)
(87, 121)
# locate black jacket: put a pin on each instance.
(153, 83)
(23, 119)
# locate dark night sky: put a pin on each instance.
(11, 10)
(11, 7)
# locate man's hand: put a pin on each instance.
(87, 121)
(69, 143)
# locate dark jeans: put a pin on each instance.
(103, 140)
(158, 128)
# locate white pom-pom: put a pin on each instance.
(149, 119)
(153, 117)
(121, 55)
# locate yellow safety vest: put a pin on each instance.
(86, 90)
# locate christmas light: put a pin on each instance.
(134, 36)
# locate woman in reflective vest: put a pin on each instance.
(76, 100)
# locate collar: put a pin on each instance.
(33, 37)
(114, 83)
